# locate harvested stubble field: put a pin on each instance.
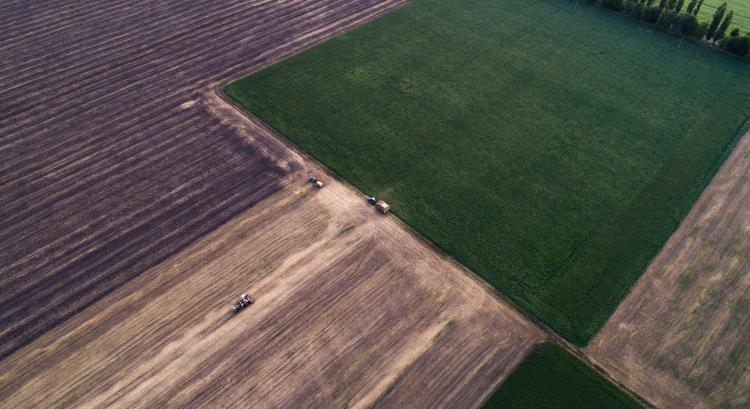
(550, 149)
(682, 336)
(106, 165)
(351, 311)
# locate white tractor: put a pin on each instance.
(315, 181)
(242, 302)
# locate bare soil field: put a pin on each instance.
(682, 336)
(107, 166)
(352, 310)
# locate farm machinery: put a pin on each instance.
(315, 181)
(243, 301)
(382, 206)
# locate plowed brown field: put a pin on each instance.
(682, 337)
(351, 311)
(106, 166)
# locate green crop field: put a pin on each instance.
(552, 150)
(552, 378)
(741, 10)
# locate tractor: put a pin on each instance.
(242, 302)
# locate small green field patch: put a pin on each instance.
(552, 378)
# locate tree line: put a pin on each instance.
(677, 17)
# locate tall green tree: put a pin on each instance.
(668, 18)
(678, 6)
(722, 30)
(653, 14)
(640, 10)
(616, 5)
(739, 45)
(691, 6)
(663, 4)
(702, 29)
(688, 24)
(631, 8)
(698, 8)
(716, 21)
(724, 41)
